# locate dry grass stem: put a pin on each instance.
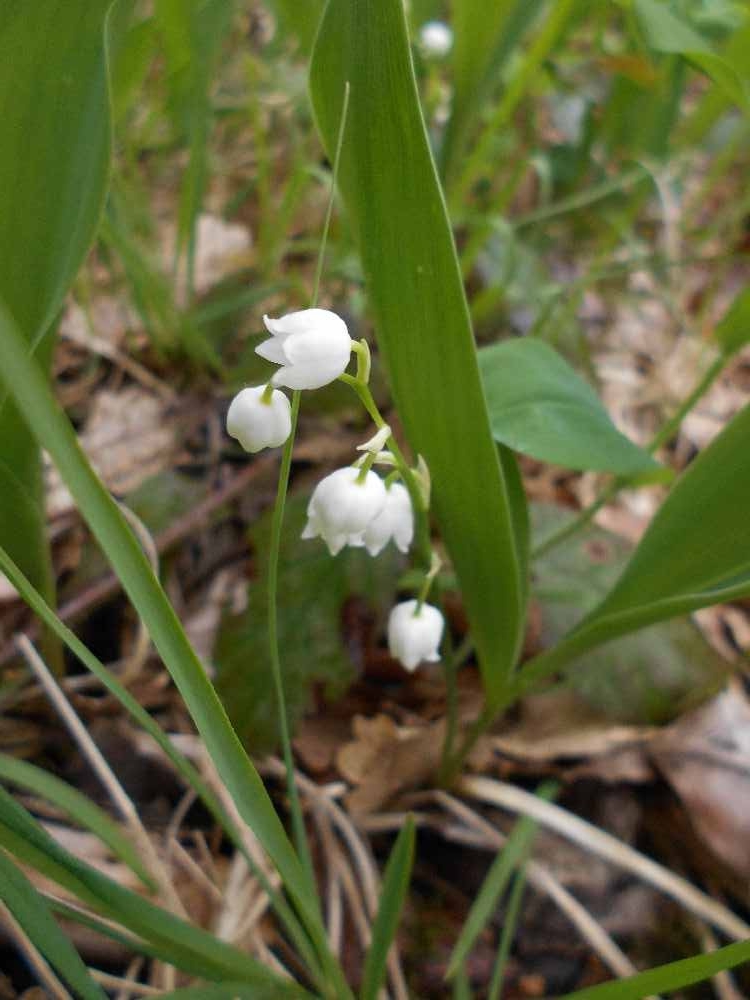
(47, 979)
(589, 837)
(103, 771)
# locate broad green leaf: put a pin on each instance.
(392, 896)
(33, 915)
(54, 160)
(395, 204)
(695, 553)
(78, 807)
(670, 977)
(510, 857)
(666, 32)
(733, 330)
(485, 37)
(181, 764)
(541, 407)
(649, 676)
(194, 949)
(25, 382)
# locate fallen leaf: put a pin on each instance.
(705, 756)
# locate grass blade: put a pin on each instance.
(393, 893)
(54, 162)
(508, 859)
(78, 807)
(33, 915)
(181, 764)
(200, 950)
(52, 429)
(394, 201)
(666, 978)
(506, 938)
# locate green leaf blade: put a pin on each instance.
(541, 407)
(392, 896)
(33, 915)
(394, 201)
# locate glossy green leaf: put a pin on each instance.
(54, 160)
(733, 330)
(33, 915)
(695, 553)
(670, 977)
(541, 407)
(666, 32)
(395, 204)
(392, 896)
(50, 426)
(78, 807)
(485, 36)
(193, 948)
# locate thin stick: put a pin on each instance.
(606, 846)
(34, 957)
(121, 983)
(103, 771)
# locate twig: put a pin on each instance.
(44, 973)
(103, 771)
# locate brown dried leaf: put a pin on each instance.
(384, 759)
(705, 756)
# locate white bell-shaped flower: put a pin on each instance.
(395, 521)
(258, 422)
(312, 346)
(342, 507)
(414, 636)
(435, 39)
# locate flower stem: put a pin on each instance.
(298, 823)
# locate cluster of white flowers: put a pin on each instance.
(351, 506)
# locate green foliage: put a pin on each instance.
(486, 35)
(26, 383)
(649, 676)
(193, 949)
(34, 917)
(695, 553)
(53, 171)
(540, 406)
(733, 330)
(392, 895)
(78, 807)
(666, 32)
(300, 18)
(666, 978)
(396, 208)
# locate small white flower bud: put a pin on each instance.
(342, 507)
(259, 423)
(412, 637)
(435, 39)
(312, 346)
(395, 521)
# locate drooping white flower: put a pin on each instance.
(257, 422)
(395, 521)
(435, 39)
(312, 346)
(341, 508)
(412, 637)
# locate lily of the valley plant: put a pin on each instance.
(353, 505)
